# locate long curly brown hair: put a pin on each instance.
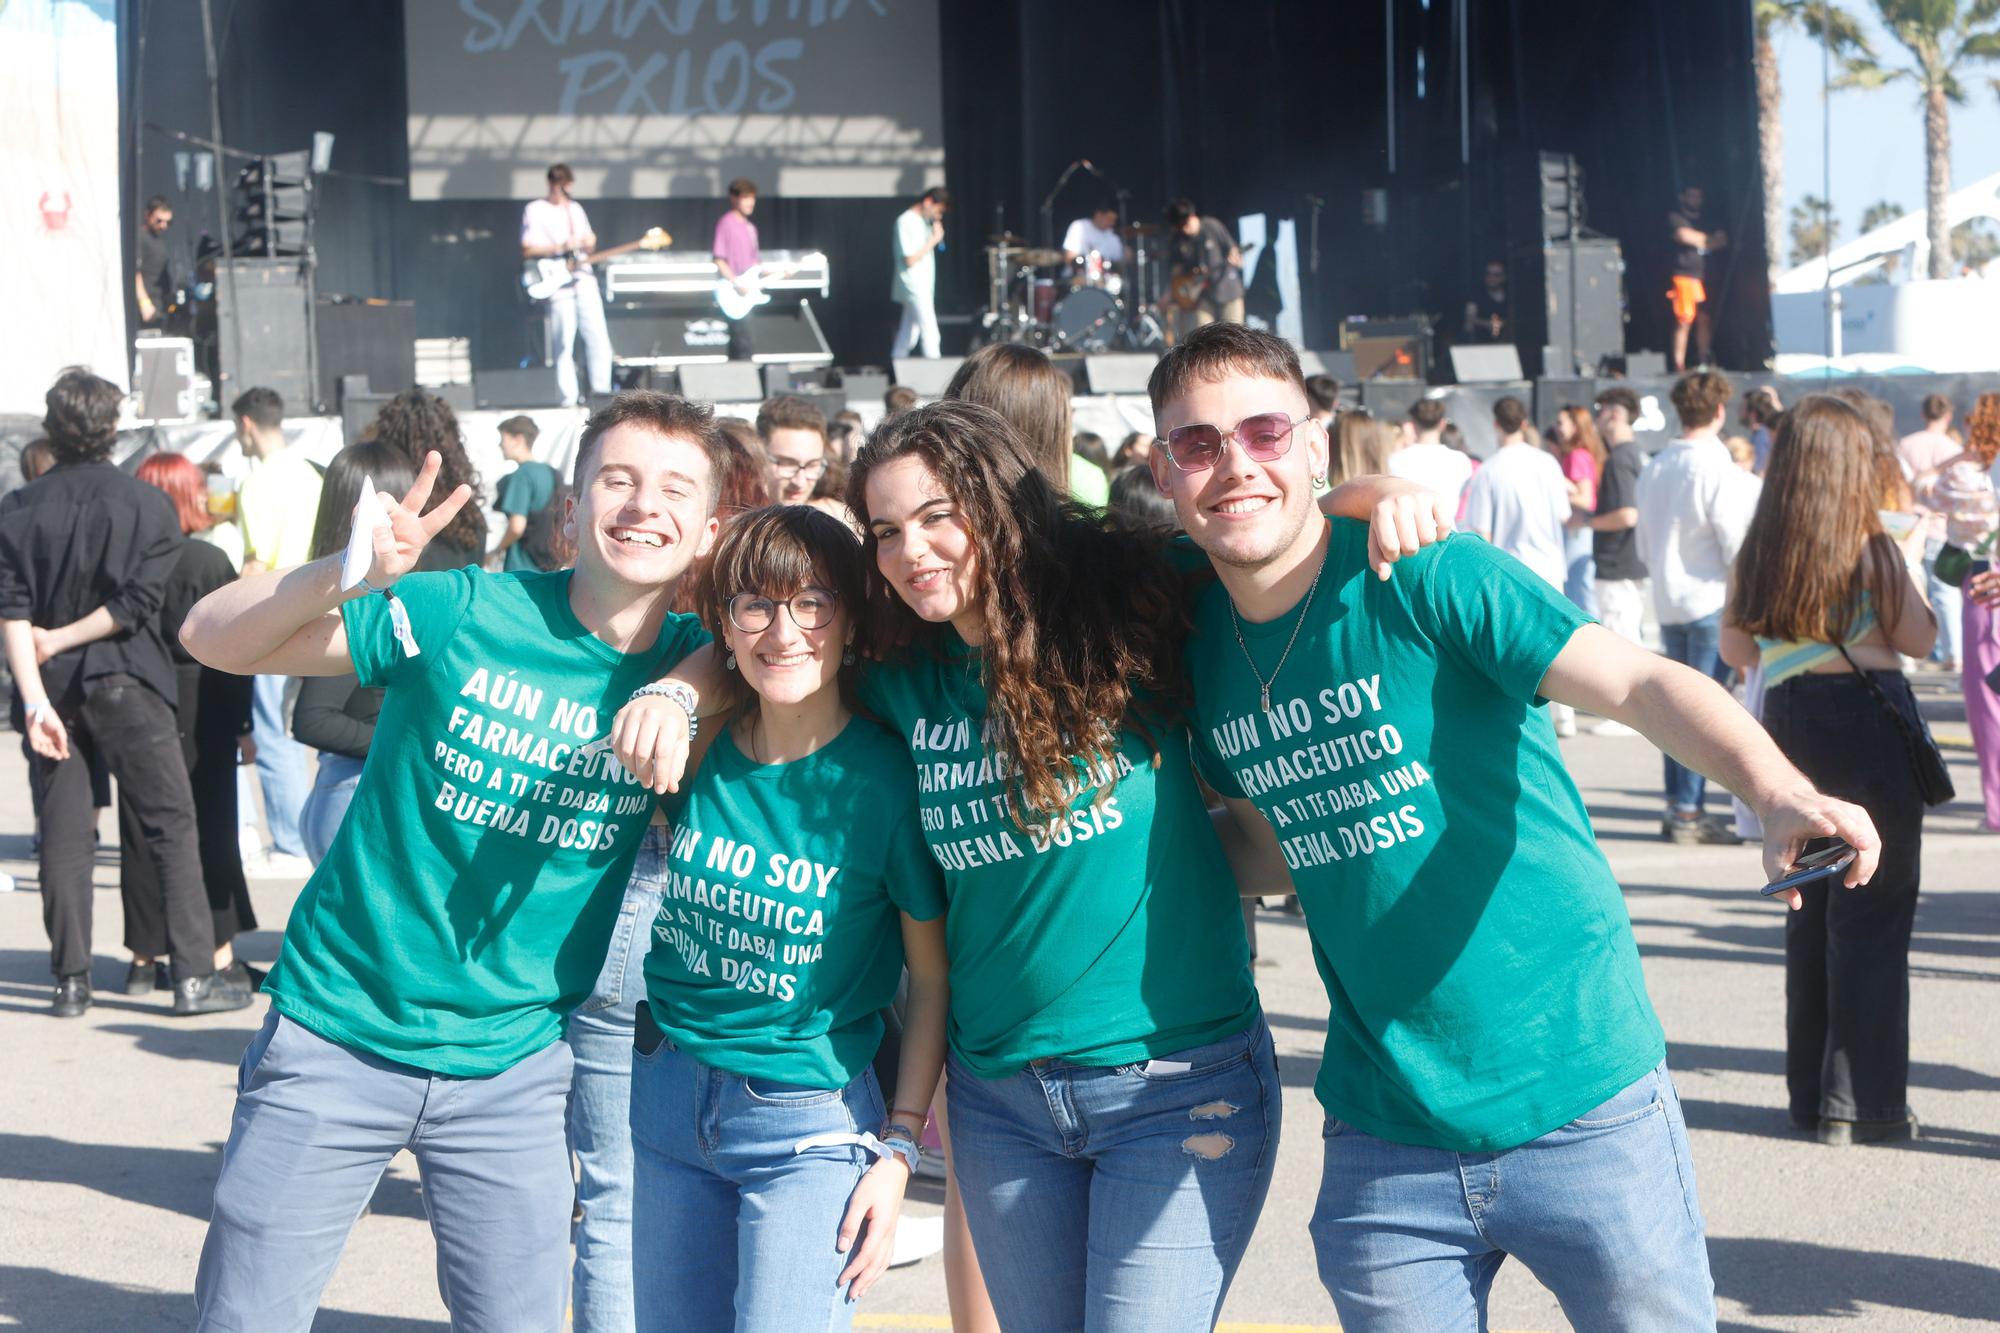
(413, 423)
(1078, 622)
(1801, 571)
(1982, 428)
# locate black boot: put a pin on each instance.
(212, 994)
(145, 978)
(72, 996)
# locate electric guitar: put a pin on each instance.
(1187, 289)
(745, 293)
(544, 277)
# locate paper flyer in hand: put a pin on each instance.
(360, 553)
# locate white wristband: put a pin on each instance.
(43, 707)
(677, 692)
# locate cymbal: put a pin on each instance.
(1040, 258)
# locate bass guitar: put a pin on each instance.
(738, 297)
(544, 277)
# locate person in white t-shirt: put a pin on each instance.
(1695, 505)
(1427, 459)
(1519, 501)
(555, 227)
(919, 234)
(1097, 232)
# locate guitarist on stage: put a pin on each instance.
(555, 227)
(1206, 283)
(736, 254)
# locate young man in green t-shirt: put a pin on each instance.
(467, 901)
(1493, 1078)
(522, 494)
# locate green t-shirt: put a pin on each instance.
(1484, 981)
(467, 901)
(525, 490)
(778, 942)
(1088, 484)
(1109, 936)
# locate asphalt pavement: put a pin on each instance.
(111, 1125)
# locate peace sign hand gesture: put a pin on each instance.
(401, 540)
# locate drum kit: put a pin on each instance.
(1090, 304)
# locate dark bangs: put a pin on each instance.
(777, 550)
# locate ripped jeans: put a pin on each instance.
(1117, 1199)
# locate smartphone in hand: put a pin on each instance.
(1811, 867)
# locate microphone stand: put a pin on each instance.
(1049, 204)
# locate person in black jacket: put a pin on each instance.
(213, 710)
(85, 554)
(334, 714)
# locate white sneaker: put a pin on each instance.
(917, 1238)
(1611, 726)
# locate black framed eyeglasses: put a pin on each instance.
(809, 608)
(788, 467)
(1197, 447)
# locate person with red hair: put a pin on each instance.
(214, 718)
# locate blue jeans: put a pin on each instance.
(281, 764)
(1117, 1199)
(314, 1128)
(600, 1100)
(1697, 644)
(1580, 579)
(1602, 1211)
(326, 804)
(1947, 601)
(740, 1218)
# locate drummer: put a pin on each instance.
(1097, 233)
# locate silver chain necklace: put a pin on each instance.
(1263, 685)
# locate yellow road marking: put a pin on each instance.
(944, 1322)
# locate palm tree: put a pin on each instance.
(1880, 214)
(1814, 229)
(1940, 38)
(1820, 19)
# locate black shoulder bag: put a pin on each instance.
(1933, 778)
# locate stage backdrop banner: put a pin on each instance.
(59, 225)
(649, 98)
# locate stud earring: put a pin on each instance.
(729, 662)
(847, 658)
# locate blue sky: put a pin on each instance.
(1878, 136)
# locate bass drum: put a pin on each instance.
(1087, 320)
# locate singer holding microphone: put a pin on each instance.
(919, 236)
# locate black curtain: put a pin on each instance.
(1244, 108)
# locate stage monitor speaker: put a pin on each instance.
(1394, 357)
(1119, 372)
(529, 386)
(1391, 400)
(828, 401)
(1645, 365)
(729, 382)
(928, 376)
(373, 338)
(261, 341)
(458, 397)
(1488, 363)
(863, 386)
(1340, 365)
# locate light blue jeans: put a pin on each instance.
(326, 804)
(1580, 578)
(1602, 1211)
(600, 1098)
(315, 1125)
(281, 764)
(1117, 1199)
(1947, 601)
(739, 1220)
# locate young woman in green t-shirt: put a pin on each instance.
(797, 887)
(1114, 1094)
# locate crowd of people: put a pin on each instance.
(698, 844)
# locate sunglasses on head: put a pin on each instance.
(1198, 445)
